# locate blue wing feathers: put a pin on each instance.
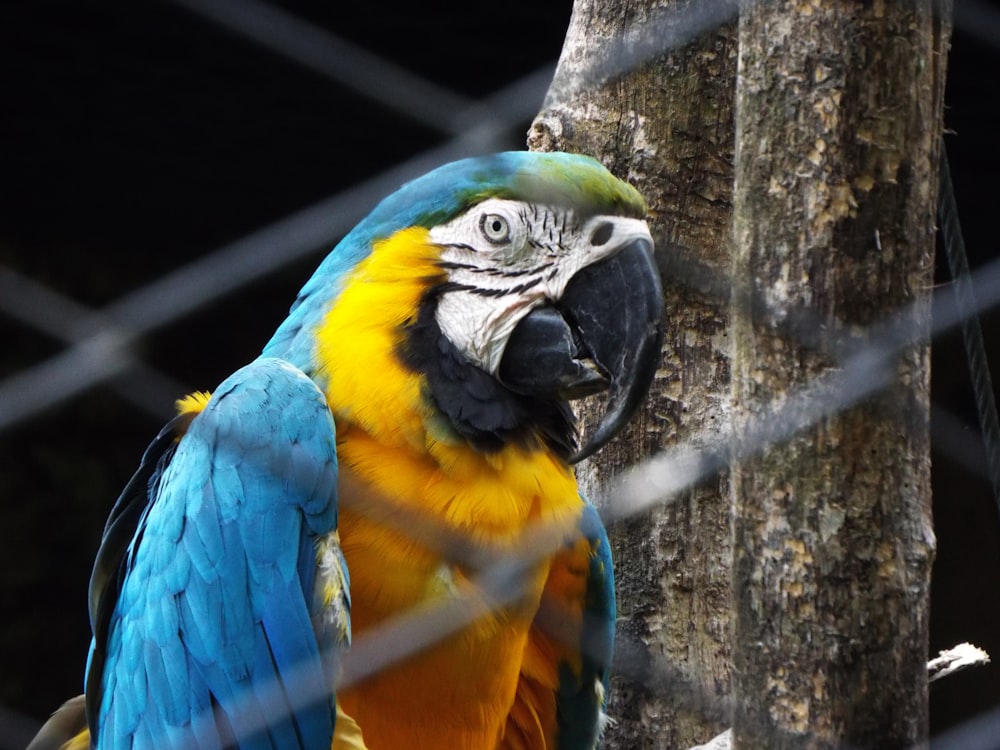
(268, 697)
(578, 703)
(601, 607)
(308, 693)
(121, 532)
(206, 573)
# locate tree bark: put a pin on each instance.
(839, 108)
(664, 123)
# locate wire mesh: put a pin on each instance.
(102, 345)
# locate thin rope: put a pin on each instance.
(972, 333)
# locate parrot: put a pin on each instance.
(397, 446)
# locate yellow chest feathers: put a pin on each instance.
(409, 489)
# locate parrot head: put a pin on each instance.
(544, 290)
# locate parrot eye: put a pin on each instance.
(495, 228)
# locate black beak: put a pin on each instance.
(604, 333)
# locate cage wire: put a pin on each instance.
(101, 345)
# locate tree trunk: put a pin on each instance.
(839, 124)
(665, 124)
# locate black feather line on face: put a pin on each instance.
(477, 405)
(454, 286)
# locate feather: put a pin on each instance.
(208, 614)
(66, 722)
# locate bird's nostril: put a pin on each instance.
(602, 234)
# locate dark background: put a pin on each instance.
(138, 137)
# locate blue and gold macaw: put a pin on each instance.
(416, 395)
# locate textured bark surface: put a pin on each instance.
(666, 125)
(838, 121)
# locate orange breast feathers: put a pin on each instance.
(408, 486)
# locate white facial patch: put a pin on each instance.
(504, 258)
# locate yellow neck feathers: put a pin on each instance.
(357, 342)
